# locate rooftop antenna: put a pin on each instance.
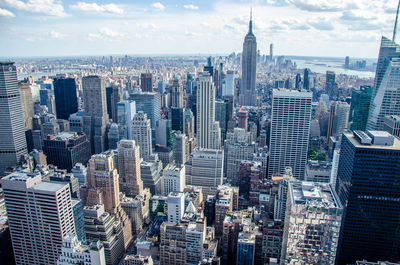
(395, 23)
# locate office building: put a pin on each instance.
(138, 260)
(126, 110)
(172, 243)
(246, 247)
(229, 84)
(207, 130)
(248, 93)
(330, 84)
(359, 108)
(27, 105)
(392, 125)
(141, 133)
(290, 129)
(386, 92)
(80, 172)
(306, 77)
(176, 206)
(39, 216)
(205, 168)
(338, 119)
(180, 152)
(227, 201)
(95, 118)
(151, 174)
(66, 99)
(74, 252)
(12, 121)
(76, 122)
(66, 149)
(79, 220)
(116, 97)
(146, 82)
(312, 224)
(223, 113)
(367, 183)
(101, 225)
(113, 136)
(129, 168)
(173, 179)
(243, 117)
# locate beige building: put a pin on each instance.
(129, 168)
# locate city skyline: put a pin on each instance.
(322, 28)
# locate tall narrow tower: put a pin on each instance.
(12, 132)
(249, 63)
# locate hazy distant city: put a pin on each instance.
(199, 133)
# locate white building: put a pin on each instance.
(73, 252)
(290, 130)
(39, 216)
(312, 224)
(126, 109)
(229, 84)
(205, 168)
(174, 179)
(176, 206)
(141, 133)
(80, 172)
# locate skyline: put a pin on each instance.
(336, 28)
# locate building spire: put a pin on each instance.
(395, 23)
(251, 21)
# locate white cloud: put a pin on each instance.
(323, 5)
(96, 8)
(47, 7)
(6, 13)
(321, 23)
(56, 35)
(158, 6)
(193, 7)
(106, 33)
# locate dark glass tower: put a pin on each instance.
(306, 84)
(359, 108)
(65, 97)
(12, 132)
(330, 84)
(368, 186)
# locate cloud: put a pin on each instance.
(158, 6)
(320, 23)
(147, 26)
(106, 33)
(323, 5)
(6, 13)
(353, 16)
(193, 7)
(56, 35)
(47, 7)
(96, 8)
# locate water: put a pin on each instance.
(336, 66)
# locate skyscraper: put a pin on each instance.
(330, 84)
(290, 130)
(205, 112)
(386, 93)
(12, 132)
(141, 133)
(306, 84)
(271, 52)
(95, 118)
(39, 215)
(368, 185)
(146, 82)
(248, 95)
(359, 108)
(129, 168)
(65, 97)
(177, 109)
(27, 104)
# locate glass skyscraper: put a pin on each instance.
(359, 108)
(12, 131)
(368, 186)
(65, 97)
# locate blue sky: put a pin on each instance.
(296, 27)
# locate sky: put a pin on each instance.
(329, 28)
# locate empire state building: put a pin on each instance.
(247, 95)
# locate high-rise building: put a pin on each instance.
(66, 149)
(176, 206)
(386, 91)
(367, 183)
(103, 188)
(151, 175)
(146, 82)
(125, 111)
(65, 97)
(74, 252)
(141, 133)
(281, 195)
(243, 116)
(180, 151)
(312, 224)
(392, 125)
(80, 172)
(95, 118)
(116, 96)
(290, 129)
(12, 134)
(129, 168)
(359, 108)
(172, 243)
(271, 52)
(338, 119)
(229, 84)
(27, 104)
(330, 84)
(206, 127)
(306, 77)
(205, 168)
(248, 93)
(174, 179)
(298, 81)
(113, 136)
(39, 216)
(177, 93)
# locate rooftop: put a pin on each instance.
(353, 139)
